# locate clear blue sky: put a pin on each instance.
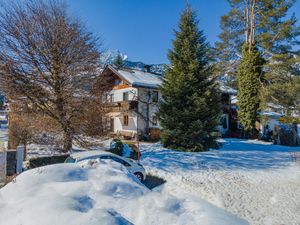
(144, 29)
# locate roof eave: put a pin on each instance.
(145, 86)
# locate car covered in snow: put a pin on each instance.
(131, 165)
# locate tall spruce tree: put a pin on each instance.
(190, 108)
(249, 72)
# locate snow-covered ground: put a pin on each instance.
(257, 181)
(38, 150)
(100, 194)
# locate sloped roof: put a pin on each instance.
(141, 79)
(138, 78)
(227, 90)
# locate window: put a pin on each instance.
(120, 161)
(116, 159)
(117, 82)
(125, 96)
(125, 120)
(70, 160)
(155, 96)
(111, 97)
(154, 120)
(105, 157)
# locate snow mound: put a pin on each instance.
(103, 193)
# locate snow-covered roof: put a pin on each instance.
(141, 79)
(138, 78)
(228, 90)
(274, 106)
(271, 114)
(234, 99)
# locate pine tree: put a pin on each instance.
(264, 23)
(274, 31)
(118, 62)
(280, 82)
(249, 72)
(190, 108)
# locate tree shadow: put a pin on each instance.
(234, 154)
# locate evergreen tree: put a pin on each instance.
(249, 72)
(274, 32)
(280, 82)
(276, 35)
(190, 108)
(118, 62)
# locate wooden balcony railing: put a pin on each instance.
(122, 106)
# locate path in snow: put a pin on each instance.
(257, 181)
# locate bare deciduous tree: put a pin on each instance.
(48, 59)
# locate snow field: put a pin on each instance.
(256, 181)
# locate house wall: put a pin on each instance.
(118, 94)
(145, 99)
(119, 123)
(136, 121)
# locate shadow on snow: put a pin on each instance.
(234, 154)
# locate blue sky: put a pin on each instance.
(144, 29)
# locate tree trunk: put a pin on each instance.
(246, 21)
(25, 151)
(13, 141)
(68, 138)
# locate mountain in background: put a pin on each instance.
(109, 56)
(154, 68)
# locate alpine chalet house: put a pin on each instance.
(132, 101)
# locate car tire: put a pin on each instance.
(139, 176)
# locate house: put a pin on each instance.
(229, 125)
(132, 101)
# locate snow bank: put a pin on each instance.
(100, 194)
(254, 180)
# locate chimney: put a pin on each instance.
(147, 68)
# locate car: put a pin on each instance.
(132, 166)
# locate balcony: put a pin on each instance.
(122, 106)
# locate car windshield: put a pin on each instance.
(116, 159)
(70, 160)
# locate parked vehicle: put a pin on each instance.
(132, 166)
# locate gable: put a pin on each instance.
(130, 78)
(113, 80)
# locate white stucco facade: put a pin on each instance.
(147, 106)
(133, 100)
